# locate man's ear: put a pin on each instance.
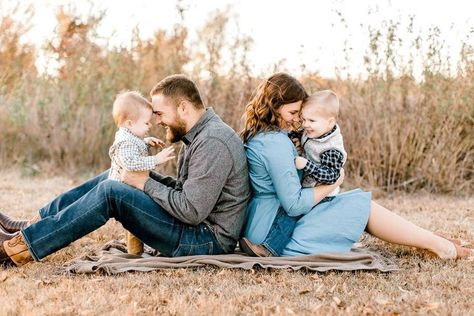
(184, 106)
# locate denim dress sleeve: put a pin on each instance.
(279, 155)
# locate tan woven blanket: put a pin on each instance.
(113, 259)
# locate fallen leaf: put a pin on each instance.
(344, 287)
(320, 289)
(46, 281)
(381, 300)
(337, 300)
(3, 277)
(124, 297)
(315, 277)
(433, 305)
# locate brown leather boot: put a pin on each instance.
(134, 245)
(17, 250)
(4, 236)
(11, 225)
(254, 250)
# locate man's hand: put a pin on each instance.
(300, 162)
(135, 179)
(153, 142)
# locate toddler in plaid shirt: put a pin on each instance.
(324, 153)
(132, 115)
(323, 156)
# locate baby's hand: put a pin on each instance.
(153, 141)
(300, 162)
(164, 155)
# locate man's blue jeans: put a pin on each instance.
(89, 206)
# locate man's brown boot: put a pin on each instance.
(17, 250)
(254, 250)
(134, 245)
(4, 236)
(11, 225)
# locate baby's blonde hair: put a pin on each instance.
(326, 101)
(127, 106)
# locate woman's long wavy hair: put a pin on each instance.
(261, 113)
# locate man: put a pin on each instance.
(199, 212)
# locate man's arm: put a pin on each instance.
(209, 166)
(166, 180)
(329, 169)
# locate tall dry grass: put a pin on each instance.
(402, 131)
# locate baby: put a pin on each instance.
(324, 156)
(324, 153)
(132, 115)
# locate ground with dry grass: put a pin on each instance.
(423, 285)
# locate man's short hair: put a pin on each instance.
(127, 106)
(179, 87)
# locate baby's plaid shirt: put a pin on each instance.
(129, 152)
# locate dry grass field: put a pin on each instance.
(422, 286)
(404, 130)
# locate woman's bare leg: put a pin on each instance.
(393, 228)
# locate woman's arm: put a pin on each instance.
(278, 154)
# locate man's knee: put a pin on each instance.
(112, 188)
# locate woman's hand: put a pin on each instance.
(153, 142)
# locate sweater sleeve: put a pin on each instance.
(166, 180)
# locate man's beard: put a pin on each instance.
(176, 132)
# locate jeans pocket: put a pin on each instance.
(194, 250)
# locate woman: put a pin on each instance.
(331, 226)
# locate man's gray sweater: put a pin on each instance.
(213, 181)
